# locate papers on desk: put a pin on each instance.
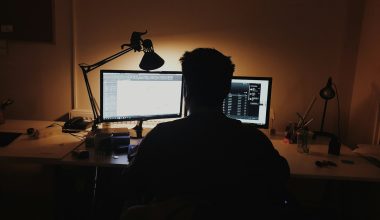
(369, 152)
(53, 147)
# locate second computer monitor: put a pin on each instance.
(249, 100)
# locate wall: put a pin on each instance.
(37, 76)
(366, 90)
(299, 43)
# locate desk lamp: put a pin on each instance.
(328, 93)
(150, 61)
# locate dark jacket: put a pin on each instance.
(213, 158)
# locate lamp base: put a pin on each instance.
(334, 143)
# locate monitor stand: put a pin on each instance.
(138, 131)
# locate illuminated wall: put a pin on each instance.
(366, 92)
(299, 43)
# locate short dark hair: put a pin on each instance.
(207, 73)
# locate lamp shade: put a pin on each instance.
(151, 61)
(327, 92)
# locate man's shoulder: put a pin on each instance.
(245, 127)
(172, 124)
(250, 133)
(225, 122)
(251, 128)
(223, 125)
(169, 126)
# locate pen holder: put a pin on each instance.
(302, 141)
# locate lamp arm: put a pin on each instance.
(94, 107)
(88, 68)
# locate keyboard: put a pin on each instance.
(130, 124)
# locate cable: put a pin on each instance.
(55, 123)
(77, 136)
(80, 137)
(337, 98)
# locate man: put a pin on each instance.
(223, 168)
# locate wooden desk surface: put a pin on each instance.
(59, 147)
(26, 149)
(20, 126)
(303, 165)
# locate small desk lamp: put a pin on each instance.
(150, 61)
(328, 93)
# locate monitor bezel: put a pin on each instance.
(139, 118)
(266, 78)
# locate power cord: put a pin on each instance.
(80, 137)
(337, 98)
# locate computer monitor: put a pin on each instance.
(249, 100)
(128, 95)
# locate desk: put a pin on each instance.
(303, 165)
(57, 150)
(348, 191)
(28, 185)
(56, 180)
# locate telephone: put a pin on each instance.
(75, 124)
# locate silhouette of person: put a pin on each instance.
(226, 168)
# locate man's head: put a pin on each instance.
(207, 74)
